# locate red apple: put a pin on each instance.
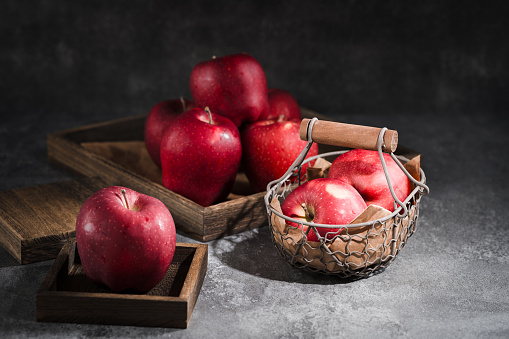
(323, 201)
(200, 156)
(233, 86)
(269, 148)
(125, 239)
(363, 170)
(283, 103)
(159, 118)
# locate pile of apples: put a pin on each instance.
(232, 121)
(127, 240)
(355, 180)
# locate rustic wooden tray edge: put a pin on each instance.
(53, 305)
(32, 226)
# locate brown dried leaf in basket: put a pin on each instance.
(291, 239)
(414, 166)
(288, 237)
(329, 256)
(318, 170)
(360, 246)
(315, 255)
(372, 244)
(353, 249)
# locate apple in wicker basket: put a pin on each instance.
(159, 118)
(323, 201)
(269, 148)
(125, 239)
(200, 156)
(363, 170)
(283, 103)
(234, 86)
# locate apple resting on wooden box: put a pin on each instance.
(126, 240)
(124, 267)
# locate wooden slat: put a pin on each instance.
(234, 216)
(36, 221)
(66, 295)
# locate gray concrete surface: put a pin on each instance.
(436, 71)
(449, 281)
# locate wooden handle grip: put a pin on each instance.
(347, 135)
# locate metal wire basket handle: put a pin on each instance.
(349, 136)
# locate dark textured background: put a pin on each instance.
(119, 58)
(66, 64)
(436, 71)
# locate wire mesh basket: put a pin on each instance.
(370, 242)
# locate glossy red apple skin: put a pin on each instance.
(125, 248)
(200, 160)
(283, 103)
(159, 118)
(363, 170)
(269, 148)
(328, 201)
(234, 86)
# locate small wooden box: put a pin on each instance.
(67, 295)
(81, 150)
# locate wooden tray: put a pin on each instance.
(67, 295)
(114, 151)
(36, 221)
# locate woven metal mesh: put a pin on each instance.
(348, 252)
(357, 250)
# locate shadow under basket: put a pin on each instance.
(356, 250)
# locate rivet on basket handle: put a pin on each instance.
(347, 135)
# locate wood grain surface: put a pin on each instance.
(67, 295)
(348, 135)
(36, 221)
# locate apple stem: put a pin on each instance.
(309, 216)
(280, 118)
(209, 114)
(125, 198)
(183, 102)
